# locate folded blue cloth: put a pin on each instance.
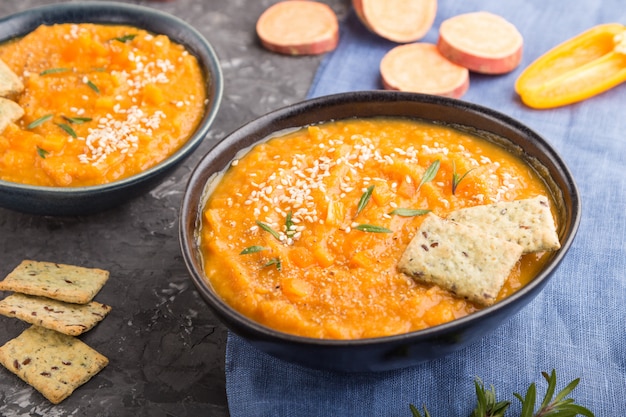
(577, 325)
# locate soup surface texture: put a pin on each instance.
(101, 103)
(290, 239)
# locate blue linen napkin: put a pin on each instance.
(577, 325)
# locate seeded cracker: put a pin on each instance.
(53, 363)
(72, 284)
(10, 83)
(10, 112)
(67, 318)
(526, 222)
(459, 258)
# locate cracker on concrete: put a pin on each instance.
(72, 284)
(53, 363)
(10, 112)
(527, 222)
(68, 318)
(459, 258)
(10, 83)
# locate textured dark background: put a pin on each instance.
(166, 349)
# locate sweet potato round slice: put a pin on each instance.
(420, 68)
(298, 27)
(482, 42)
(401, 21)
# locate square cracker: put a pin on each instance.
(53, 363)
(72, 284)
(10, 83)
(527, 222)
(67, 318)
(10, 112)
(459, 258)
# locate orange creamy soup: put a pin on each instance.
(282, 231)
(101, 103)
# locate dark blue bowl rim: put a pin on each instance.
(261, 332)
(100, 12)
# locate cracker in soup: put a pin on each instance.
(460, 258)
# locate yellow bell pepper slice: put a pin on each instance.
(579, 68)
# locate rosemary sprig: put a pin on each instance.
(252, 249)
(416, 413)
(77, 120)
(551, 406)
(91, 85)
(407, 212)
(42, 152)
(372, 228)
(456, 179)
(54, 71)
(557, 406)
(430, 173)
(268, 229)
(67, 129)
(274, 261)
(125, 38)
(365, 198)
(486, 403)
(39, 121)
(290, 226)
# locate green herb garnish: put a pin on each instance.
(552, 406)
(42, 152)
(91, 85)
(430, 173)
(371, 228)
(274, 261)
(365, 198)
(77, 120)
(54, 71)
(67, 129)
(268, 229)
(39, 121)
(252, 249)
(290, 226)
(125, 38)
(455, 177)
(406, 212)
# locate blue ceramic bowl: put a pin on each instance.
(86, 200)
(402, 350)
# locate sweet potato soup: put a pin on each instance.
(100, 103)
(303, 233)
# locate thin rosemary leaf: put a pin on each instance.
(528, 402)
(567, 390)
(77, 120)
(456, 180)
(406, 212)
(39, 121)
(268, 229)
(42, 152)
(290, 227)
(252, 249)
(274, 261)
(125, 38)
(54, 71)
(551, 380)
(67, 129)
(416, 413)
(91, 85)
(371, 228)
(365, 198)
(430, 173)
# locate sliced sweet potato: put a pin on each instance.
(298, 27)
(401, 21)
(482, 42)
(420, 68)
